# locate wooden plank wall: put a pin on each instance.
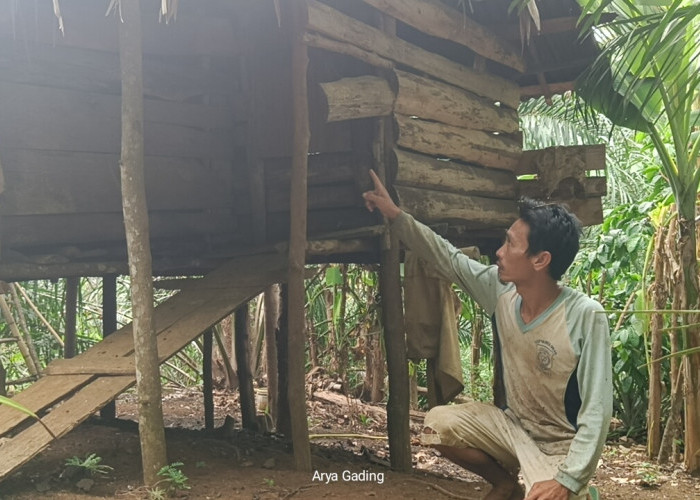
(456, 125)
(60, 130)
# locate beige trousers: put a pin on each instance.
(487, 428)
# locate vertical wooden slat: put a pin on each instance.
(283, 422)
(297, 239)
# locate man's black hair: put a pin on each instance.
(553, 229)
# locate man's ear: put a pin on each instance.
(542, 260)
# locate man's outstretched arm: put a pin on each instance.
(379, 198)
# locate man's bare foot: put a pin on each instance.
(506, 491)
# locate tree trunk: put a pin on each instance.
(69, 345)
(687, 249)
(659, 297)
(245, 377)
(151, 428)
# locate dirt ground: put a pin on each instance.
(239, 464)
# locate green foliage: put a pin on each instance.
(173, 477)
(91, 464)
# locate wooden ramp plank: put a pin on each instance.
(38, 397)
(19, 449)
(178, 321)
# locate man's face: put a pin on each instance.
(514, 263)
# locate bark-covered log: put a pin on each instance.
(415, 170)
(590, 188)
(357, 97)
(470, 211)
(439, 20)
(433, 100)
(582, 157)
(473, 146)
(151, 427)
(331, 23)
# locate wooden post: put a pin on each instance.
(283, 424)
(398, 405)
(272, 317)
(207, 386)
(297, 240)
(245, 378)
(69, 344)
(109, 326)
(151, 427)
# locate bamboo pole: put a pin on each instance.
(36, 310)
(24, 328)
(297, 240)
(14, 330)
(151, 426)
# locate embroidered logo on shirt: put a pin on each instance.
(545, 356)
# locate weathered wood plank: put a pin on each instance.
(439, 20)
(90, 71)
(96, 228)
(470, 211)
(593, 187)
(323, 169)
(45, 118)
(319, 197)
(357, 97)
(433, 100)
(421, 171)
(582, 158)
(322, 42)
(21, 448)
(473, 146)
(39, 397)
(331, 23)
(44, 182)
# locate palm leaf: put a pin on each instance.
(13, 404)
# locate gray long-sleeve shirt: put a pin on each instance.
(557, 368)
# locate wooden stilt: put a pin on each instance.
(398, 405)
(283, 423)
(207, 386)
(297, 241)
(70, 345)
(245, 378)
(109, 326)
(272, 299)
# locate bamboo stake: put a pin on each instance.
(41, 317)
(23, 323)
(10, 320)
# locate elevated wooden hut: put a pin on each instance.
(426, 91)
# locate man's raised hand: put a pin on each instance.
(379, 198)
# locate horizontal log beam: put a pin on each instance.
(471, 211)
(433, 100)
(439, 20)
(331, 23)
(592, 187)
(472, 146)
(583, 158)
(357, 97)
(415, 170)
(323, 42)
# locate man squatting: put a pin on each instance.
(555, 354)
